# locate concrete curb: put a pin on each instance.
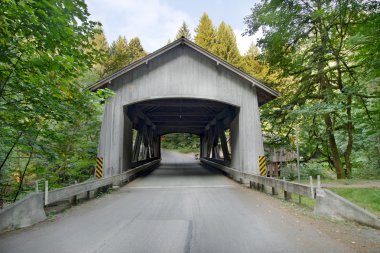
(333, 205)
(23, 213)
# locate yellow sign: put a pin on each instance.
(262, 165)
(99, 167)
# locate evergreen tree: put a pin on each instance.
(119, 55)
(205, 33)
(183, 31)
(226, 47)
(136, 50)
(101, 44)
(253, 65)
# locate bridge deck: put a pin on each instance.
(180, 207)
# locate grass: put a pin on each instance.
(305, 201)
(368, 198)
(348, 181)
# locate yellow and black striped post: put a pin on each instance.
(99, 167)
(262, 166)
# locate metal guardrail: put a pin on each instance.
(73, 190)
(286, 186)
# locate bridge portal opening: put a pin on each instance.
(152, 120)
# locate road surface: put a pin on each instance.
(180, 207)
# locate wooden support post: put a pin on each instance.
(223, 141)
(145, 153)
(136, 148)
(210, 142)
(201, 146)
(159, 147)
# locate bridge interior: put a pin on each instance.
(206, 118)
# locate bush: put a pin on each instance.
(288, 172)
(314, 169)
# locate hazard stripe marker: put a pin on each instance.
(99, 167)
(262, 165)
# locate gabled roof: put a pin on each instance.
(265, 93)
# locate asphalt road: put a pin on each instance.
(180, 207)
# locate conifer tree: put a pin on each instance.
(136, 50)
(205, 33)
(119, 55)
(226, 46)
(101, 44)
(252, 64)
(184, 31)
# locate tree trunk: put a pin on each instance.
(333, 147)
(23, 174)
(347, 152)
(10, 150)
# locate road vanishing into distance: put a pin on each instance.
(179, 207)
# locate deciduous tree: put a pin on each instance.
(309, 42)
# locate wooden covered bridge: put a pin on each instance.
(182, 88)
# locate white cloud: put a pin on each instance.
(153, 21)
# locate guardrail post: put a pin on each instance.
(319, 182)
(46, 192)
(274, 189)
(74, 200)
(36, 185)
(311, 187)
(287, 195)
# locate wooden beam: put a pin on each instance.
(181, 103)
(223, 141)
(226, 113)
(135, 113)
(136, 148)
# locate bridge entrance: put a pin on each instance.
(207, 119)
(182, 88)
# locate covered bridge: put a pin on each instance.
(182, 88)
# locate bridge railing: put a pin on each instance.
(30, 210)
(258, 182)
(76, 189)
(327, 203)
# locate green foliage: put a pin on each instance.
(182, 142)
(288, 172)
(120, 54)
(315, 169)
(136, 50)
(46, 114)
(183, 31)
(254, 65)
(330, 89)
(225, 45)
(367, 198)
(205, 33)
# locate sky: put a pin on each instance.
(157, 21)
